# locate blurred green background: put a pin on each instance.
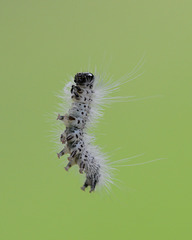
(41, 44)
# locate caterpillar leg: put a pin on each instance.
(69, 165)
(91, 181)
(63, 138)
(59, 117)
(72, 161)
(63, 152)
(85, 185)
(93, 185)
(81, 167)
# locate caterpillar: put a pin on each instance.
(77, 142)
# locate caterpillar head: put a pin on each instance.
(84, 79)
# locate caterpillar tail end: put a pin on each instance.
(86, 185)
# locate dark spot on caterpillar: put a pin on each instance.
(78, 122)
(69, 137)
(71, 118)
(84, 106)
(72, 88)
(73, 153)
(81, 145)
(82, 113)
(79, 149)
(85, 98)
(76, 94)
(79, 89)
(76, 136)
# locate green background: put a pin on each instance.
(41, 44)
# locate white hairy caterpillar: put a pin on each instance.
(75, 137)
(87, 93)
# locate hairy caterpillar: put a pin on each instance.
(75, 137)
(87, 93)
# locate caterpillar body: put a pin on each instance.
(75, 137)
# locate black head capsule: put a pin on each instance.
(84, 79)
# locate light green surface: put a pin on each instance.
(42, 42)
